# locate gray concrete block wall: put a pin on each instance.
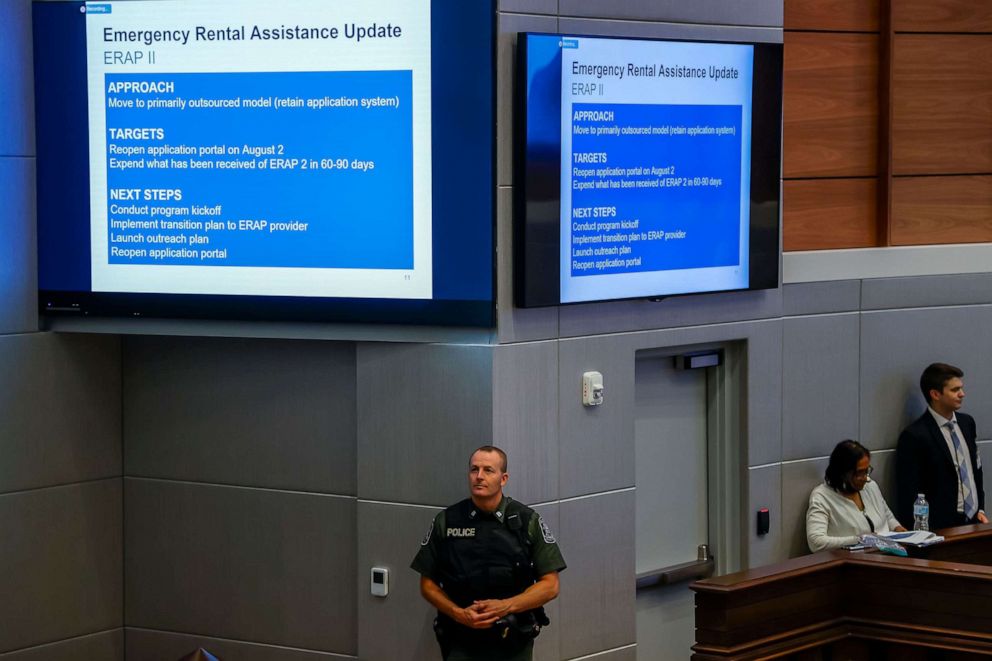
(824, 346)
(422, 409)
(63, 564)
(525, 417)
(240, 491)
(150, 645)
(765, 490)
(898, 343)
(60, 497)
(550, 644)
(597, 601)
(97, 646)
(245, 564)
(398, 626)
(225, 411)
(60, 414)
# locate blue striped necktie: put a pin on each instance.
(967, 485)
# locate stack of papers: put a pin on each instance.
(913, 537)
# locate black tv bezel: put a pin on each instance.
(537, 180)
(454, 313)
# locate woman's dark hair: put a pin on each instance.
(844, 461)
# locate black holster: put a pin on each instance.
(443, 630)
(518, 628)
(512, 632)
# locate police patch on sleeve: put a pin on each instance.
(549, 536)
(427, 537)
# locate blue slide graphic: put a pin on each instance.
(641, 176)
(284, 169)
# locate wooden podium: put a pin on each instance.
(842, 605)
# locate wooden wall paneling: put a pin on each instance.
(835, 15)
(820, 214)
(830, 110)
(941, 16)
(929, 210)
(886, 37)
(942, 104)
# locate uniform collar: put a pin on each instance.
(499, 513)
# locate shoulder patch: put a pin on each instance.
(549, 537)
(427, 537)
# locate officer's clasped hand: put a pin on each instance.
(482, 614)
(497, 607)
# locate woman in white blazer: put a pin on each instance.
(848, 503)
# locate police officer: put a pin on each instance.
(488, 564)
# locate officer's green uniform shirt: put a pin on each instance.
(544, 549)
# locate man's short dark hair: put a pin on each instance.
(936, 376)
(844, 461)
(493, 448)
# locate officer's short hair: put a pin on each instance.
(936, 376)
(493, 448)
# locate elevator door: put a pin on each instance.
(670, 439)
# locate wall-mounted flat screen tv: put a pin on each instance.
(645, 168)
(249, 159)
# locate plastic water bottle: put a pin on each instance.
(921, 513)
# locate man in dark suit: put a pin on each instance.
(937, 456)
